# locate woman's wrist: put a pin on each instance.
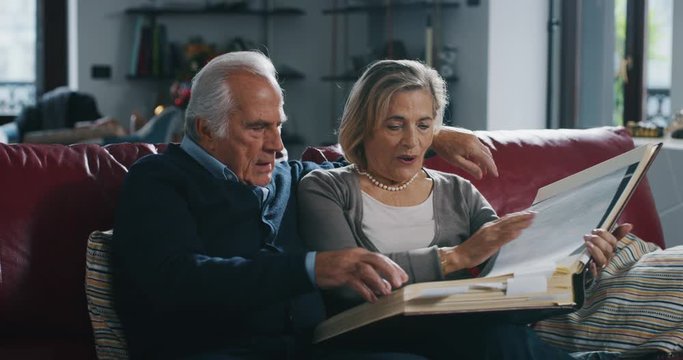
(449, 260)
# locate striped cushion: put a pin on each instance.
(109, 340)
(635, 308)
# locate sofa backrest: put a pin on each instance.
(53, 197)
(530, 159)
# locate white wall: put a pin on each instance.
(677, 58)
(72, 43)
(596, 74)
(468, 31)
(104, 36)
(517, 52)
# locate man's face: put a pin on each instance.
(253, 130)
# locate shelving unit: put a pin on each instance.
(377, 10)
(152, 13)
(171, 10)
(395, 29)
(367, 8)
(282, 74)
(351, 78)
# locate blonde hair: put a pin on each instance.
(370, 96)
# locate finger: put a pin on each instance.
(603, 246)
(486, 159)
(373, 280)
(594, 269)
(596, 253)
(521, 214)
(387, 268)
(622, 230)
(483, 169)
(386, 285)
(363, 291)
(607, 237)
(469, 166)
(404, 275)
(518, 219)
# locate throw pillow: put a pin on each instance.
(110, 342)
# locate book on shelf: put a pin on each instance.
(541, 273)
(140, 23)
(150, 50)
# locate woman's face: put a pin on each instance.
(395, 150)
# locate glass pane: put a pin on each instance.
(17, 55)
(619, 62)
(658, 60)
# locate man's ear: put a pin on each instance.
(203, 129)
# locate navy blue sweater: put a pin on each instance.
(198, 265)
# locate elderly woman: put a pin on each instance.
(434, 225)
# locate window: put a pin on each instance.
(658, 61)
(643, 45)
(17, 56)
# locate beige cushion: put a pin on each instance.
(110, 342)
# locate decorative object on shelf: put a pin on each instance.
(195, 54)
(429, 42)
(180, 93)
(644, 129)
(675, 128)
(447, 61)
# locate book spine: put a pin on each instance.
(135, 49)
(145, 53)
(156, 50)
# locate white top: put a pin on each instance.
(398, 228)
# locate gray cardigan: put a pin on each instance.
(331, 215)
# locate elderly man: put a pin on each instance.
(207, 259)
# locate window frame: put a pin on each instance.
(51, 47)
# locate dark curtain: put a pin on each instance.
(51, 45)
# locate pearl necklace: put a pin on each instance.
(384, 186)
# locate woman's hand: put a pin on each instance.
(462, 148)
(486, 241)
(602, 245)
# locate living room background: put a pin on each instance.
(500, 51)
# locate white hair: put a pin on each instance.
(211, 98)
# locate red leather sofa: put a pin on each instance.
(53, 196)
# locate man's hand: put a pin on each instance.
(369, 274)
(463, 149)
(602, 245)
